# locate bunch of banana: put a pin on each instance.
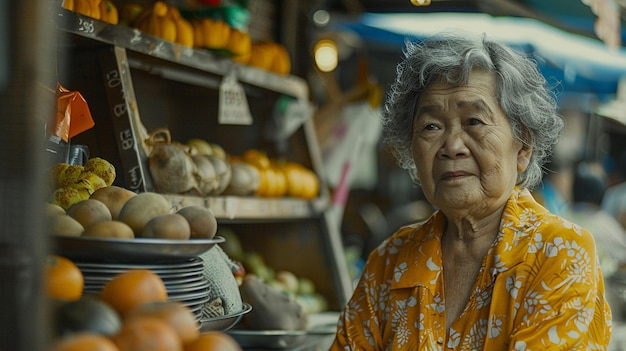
(74, 183)
(165, 22)
(103, 10)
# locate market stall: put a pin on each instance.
(147, 102)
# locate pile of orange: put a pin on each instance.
(150, 322)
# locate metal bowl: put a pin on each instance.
(225, 322)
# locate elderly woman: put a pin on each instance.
(473, 122)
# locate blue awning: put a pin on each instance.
(580, 64)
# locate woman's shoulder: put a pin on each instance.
(557, 230)
(528, 216)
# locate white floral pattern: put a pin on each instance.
(540, 288)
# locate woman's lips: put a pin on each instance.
(454, 175)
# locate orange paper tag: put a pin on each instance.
(73, 116)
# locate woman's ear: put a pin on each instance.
(523, 158)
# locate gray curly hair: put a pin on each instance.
(522, 93)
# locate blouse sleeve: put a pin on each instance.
(358, 327)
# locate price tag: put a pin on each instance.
(233, 104)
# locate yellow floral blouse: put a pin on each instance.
(539, 288)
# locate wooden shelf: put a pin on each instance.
(135, 82)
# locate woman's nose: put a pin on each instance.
(453, 145)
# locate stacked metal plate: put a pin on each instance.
(184, 281)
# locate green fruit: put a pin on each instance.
(91, 181)
(306, 286)
(70, 175)
(55, 173)
(103, 168)
(232, 245)
(67, 196)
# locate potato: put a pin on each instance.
(141, 208)
(167, 226)
(88, 212)
(65, 225)
(109, 229)
(114, 197)
(201, 221)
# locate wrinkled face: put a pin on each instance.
(463, 146)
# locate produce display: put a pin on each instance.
(281, 178)
(104, 10)
(144, 215)
(200, 168)
(165, 22)
(131, 313)
(192, 30)
(276, 284)
(85, 203)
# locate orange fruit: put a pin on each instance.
(281, 181)
(131, 288)
(214, 341)
(312, 185)
(84, 342)
(257, 158)
(64, 280)
(295, 183)
(147, 334)
(271, 182)
(178, 316)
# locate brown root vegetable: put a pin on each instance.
(114, 197)
(141, 208)
(88, 212)
(167, 226)
(201, 220)
(109, 229)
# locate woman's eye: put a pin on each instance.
(474, 121)
(431, 126)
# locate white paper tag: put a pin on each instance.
(233, 105)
